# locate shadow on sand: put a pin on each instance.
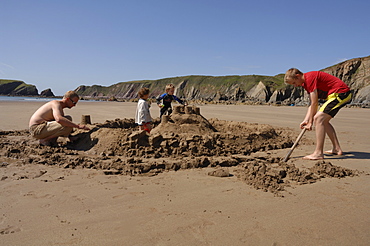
(347, 155)
(353, 155)
(85, 141)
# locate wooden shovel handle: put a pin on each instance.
(295, 144)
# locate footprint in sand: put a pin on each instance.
(137, 193)
(37, 196)
(9, 230)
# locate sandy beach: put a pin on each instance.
(52, 205)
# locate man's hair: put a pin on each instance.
(169, 86)
(71, 94)
(291, 74)
(143, 91)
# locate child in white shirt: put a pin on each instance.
(142, 117)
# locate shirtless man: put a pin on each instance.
(49, 122)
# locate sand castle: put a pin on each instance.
(182, 140)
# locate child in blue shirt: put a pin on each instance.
(164, 100)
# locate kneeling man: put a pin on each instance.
(49, 122)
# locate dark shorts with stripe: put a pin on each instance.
(335, 101)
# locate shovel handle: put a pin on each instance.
(295, 144)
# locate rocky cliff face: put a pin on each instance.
(17, 88)
(249, 88)
(356, 74)
(252, 88)
(235, 88)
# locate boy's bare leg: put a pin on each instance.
(336, 150)
(321, 120)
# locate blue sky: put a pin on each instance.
(63, 44)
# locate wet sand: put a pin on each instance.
(46, 205)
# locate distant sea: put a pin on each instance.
(33, 99)
(11, 98)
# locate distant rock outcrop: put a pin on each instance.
(259, 92)
(17, 88)
(47, 93)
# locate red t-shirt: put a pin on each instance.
(325, 84)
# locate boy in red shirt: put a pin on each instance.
(321, 85)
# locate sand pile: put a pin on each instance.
(181, 141)
(273, 175)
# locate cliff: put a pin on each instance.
(17, 88)
(189, 87)
(247, 88)
(252, 88)
(20, 88)
(356, 74)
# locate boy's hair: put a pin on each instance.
(71, 94)
(291, 74)
(169, 86)
(143, 91)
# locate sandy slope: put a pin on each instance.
(187, 207)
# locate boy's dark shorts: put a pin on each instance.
(336, 101)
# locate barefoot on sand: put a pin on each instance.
(51, 142)
(44, 142)
(333, 152)
(313, 157)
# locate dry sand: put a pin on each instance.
(52, 205)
